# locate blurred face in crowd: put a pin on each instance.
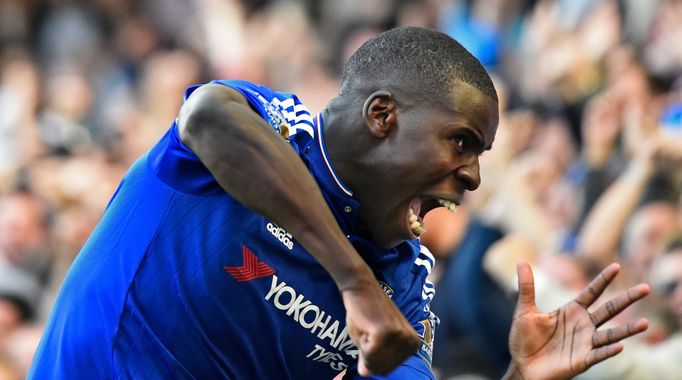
(10, 318)
(22, 226)
(666, 279)
(648, 228)
(565, 270)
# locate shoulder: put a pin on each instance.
(284, 111)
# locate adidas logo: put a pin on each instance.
(281, 234)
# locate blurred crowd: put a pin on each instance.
(586, 168)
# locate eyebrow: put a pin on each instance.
(480, 142)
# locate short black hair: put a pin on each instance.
(422, 58)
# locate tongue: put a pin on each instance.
(416, 206)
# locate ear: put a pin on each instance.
(379, 113)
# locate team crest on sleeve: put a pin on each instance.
(287, 116)
(387, 289)
(426, 333)
(275, 117)
(284, 130)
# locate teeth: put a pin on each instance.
(451, 206)
(415, 225)
(413, 217)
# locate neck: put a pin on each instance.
(346, 145)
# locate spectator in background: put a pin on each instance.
(24, 235)
(666, 277)
(19, 293)
(645, 233)
(588, 70)
(19, 298)
(19, 99)
(67, 101)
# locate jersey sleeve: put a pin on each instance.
(283, 111)
(414, 368)
(177, 166)
(417, 305)
(412, 292)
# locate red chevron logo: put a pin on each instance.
(252, 268)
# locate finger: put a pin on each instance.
(615, 305)
(526, 287)
(616, 334)
(362, 367)
(362, 342)
(382, 358)
(602, 353)
(597, 286)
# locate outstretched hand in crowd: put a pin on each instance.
(566, 342)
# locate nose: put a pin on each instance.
(469, 174)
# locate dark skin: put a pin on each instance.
(422, 150)
(397, 151)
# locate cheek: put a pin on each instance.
(438, 162)
(425, 160)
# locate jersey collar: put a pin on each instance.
(325, 157)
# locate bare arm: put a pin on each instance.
(259, 169)
(603, 229)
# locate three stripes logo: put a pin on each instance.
(252, 268)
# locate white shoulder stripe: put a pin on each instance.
(287, 103)
(427, 253)
(305, 127)
(299, 108)
(304, 117)
(425, 263)
(427, 297)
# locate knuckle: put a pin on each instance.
(592, 290)
(611, 308)
(629, 295)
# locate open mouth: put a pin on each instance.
(422, 205)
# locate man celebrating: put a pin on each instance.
(225, 253)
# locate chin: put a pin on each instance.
(389, 241)
(392, 233)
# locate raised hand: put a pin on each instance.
(566, 342)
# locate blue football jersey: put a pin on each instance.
(180, 281)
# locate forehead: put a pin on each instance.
(471, 106)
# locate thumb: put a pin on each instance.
(362, 367)
(363, 346)
(526, 288)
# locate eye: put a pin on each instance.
(460, 141)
